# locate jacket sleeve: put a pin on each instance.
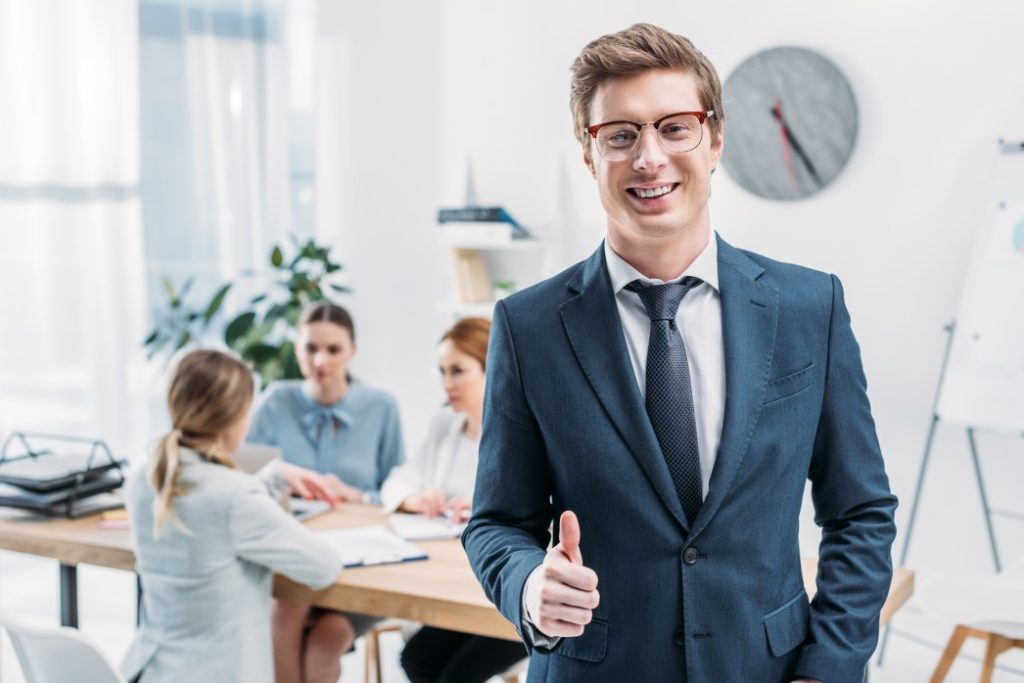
(508, 533)
(854, 508)
(264, 534)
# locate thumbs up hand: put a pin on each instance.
(561, 594)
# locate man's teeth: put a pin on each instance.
(647, 193)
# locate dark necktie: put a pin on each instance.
(669, 397)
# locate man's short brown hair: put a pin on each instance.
(639, 48)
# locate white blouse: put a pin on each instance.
(445, 460)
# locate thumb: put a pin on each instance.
(569, 536)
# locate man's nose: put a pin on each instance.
(649, 154)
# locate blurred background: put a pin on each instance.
(152, 140)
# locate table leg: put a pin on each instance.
(69, 595)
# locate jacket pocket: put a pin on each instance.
(786, 627)
(792, 383)
(589, 647)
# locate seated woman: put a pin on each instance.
(440, 480)
(208, 537)
(350, 432)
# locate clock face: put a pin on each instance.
(791, 123)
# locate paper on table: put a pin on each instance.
(423, 528)
(368, 545)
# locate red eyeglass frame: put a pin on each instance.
(702, 116)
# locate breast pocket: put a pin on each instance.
(790, 384)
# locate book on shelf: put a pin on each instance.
(481, 216)
(472, 279)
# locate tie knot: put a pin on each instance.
(662, 301)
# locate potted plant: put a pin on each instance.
(263, 333)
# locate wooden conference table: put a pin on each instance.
(440, 591)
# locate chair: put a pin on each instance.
(372, 670)
(990, 608)
(57, 655)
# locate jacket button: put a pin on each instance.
(678, 637)
(690, 555)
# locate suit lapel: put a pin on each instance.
(592, 323)
(750, 314)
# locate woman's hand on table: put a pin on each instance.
(430, 503)
(458, 508)
(313, 485)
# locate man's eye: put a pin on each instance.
(621, 138)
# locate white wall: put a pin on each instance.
(936, 84)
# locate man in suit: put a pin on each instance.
(662, 404)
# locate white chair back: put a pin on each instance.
(57, 655)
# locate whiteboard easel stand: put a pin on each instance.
(949, 328)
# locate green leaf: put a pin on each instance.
(341, 289)
(186, 337)
(276, 257)
(169, 288)
(151, 338)
(290, 365)
(293, 313)
(258, 298)
(238, 328)
(261, 354)
(215, 303)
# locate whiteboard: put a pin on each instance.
(984, 381)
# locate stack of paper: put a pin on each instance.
(369, 545)
(423, 528)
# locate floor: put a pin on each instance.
(28, 589)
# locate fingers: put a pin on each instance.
(557, 568)
(561, 596)
(560, 629)
(569, 537)
(433, 502)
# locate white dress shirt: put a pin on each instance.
(699, 321)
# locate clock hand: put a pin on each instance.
(787, 150)
(777, 115)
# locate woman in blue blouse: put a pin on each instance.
(333, 424)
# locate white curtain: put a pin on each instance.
(138, 140)
(71, 269)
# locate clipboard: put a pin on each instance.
(366, 546)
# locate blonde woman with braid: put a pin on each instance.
(208, 537)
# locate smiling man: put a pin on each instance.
(662, 405)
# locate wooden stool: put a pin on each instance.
(995, 645)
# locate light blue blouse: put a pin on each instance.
(358, 439)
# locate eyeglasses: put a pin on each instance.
(678, 133)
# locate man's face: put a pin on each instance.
(687, 176)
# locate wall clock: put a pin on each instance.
(791, 123)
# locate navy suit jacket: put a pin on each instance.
(721, 599)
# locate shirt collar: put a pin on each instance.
(340, 409)
(705, 267)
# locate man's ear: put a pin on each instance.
(717, 147)
(589, 163)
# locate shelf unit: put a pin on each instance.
(476, 265)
